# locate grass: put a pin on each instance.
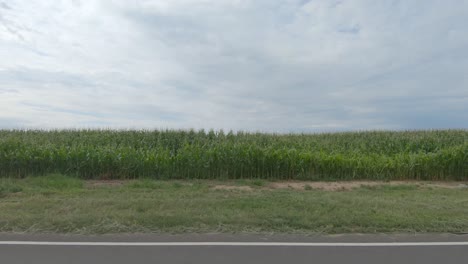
(60, 204)
(169, 154)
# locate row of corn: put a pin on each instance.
(173, 154)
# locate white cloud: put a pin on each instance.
(251, 65)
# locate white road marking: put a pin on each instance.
(236, 244)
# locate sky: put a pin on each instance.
(253, 65)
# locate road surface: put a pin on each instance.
(233, 249)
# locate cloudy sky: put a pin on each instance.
(257, 65)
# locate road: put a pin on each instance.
(229, 249)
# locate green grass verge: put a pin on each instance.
(56, 203)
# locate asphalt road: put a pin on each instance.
(116, 250)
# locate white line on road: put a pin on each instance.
(236, 244)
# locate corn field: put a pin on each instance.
(170, 154)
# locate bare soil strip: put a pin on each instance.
(342, 185)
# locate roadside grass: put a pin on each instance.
(61, 204)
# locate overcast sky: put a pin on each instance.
(259, 65)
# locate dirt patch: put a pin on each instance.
(349, 185)
(104, 183)
(232, 187)
(302, 185)
(449, 185)
(327, 186)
